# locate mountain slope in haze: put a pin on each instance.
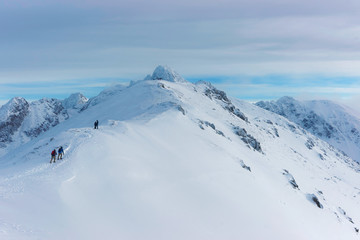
(176, 160)
(327, 120)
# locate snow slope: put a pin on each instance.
(329, 121)
(175, 160)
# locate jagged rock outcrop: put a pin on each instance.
(290, 179)
(248, 139)
(314, 199)
(213, 93)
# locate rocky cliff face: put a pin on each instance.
(12, 116)
(21, 121)
(43, 115)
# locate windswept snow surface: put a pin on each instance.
(174, 160)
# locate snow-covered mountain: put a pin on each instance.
(176, 160)
(21, 121)
(74, 101)
(327, 120)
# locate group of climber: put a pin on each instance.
(60, 151)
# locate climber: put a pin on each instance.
(96, 124)
(60, 153)
(53, 155)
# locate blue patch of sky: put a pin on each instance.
(273, 86)
(245, 87)
(282, 80)
(58, 89)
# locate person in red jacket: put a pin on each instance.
(53, 155)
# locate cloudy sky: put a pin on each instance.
(253, 49)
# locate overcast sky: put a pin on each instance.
(255, 49)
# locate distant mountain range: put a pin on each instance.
(327, 120)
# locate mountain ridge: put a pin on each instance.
(325, 119)
(178, 161)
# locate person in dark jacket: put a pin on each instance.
(60, 153)
(96, 124)
(53, 155)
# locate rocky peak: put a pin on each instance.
(12, 115)
(75, 101)
(286, 99)
(165, 73)
(14, 106)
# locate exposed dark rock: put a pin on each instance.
(292, 127)
(248, 139)
(213, 93)
(211, 125)
(276, 132)
(290, 179)
(181, 109)
(232, 109)
(313, 199)
(243, 165)
(161, 85)
(342, 211)
(310, 144)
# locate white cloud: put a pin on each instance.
(65, 40)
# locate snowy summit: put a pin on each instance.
(165, 73)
